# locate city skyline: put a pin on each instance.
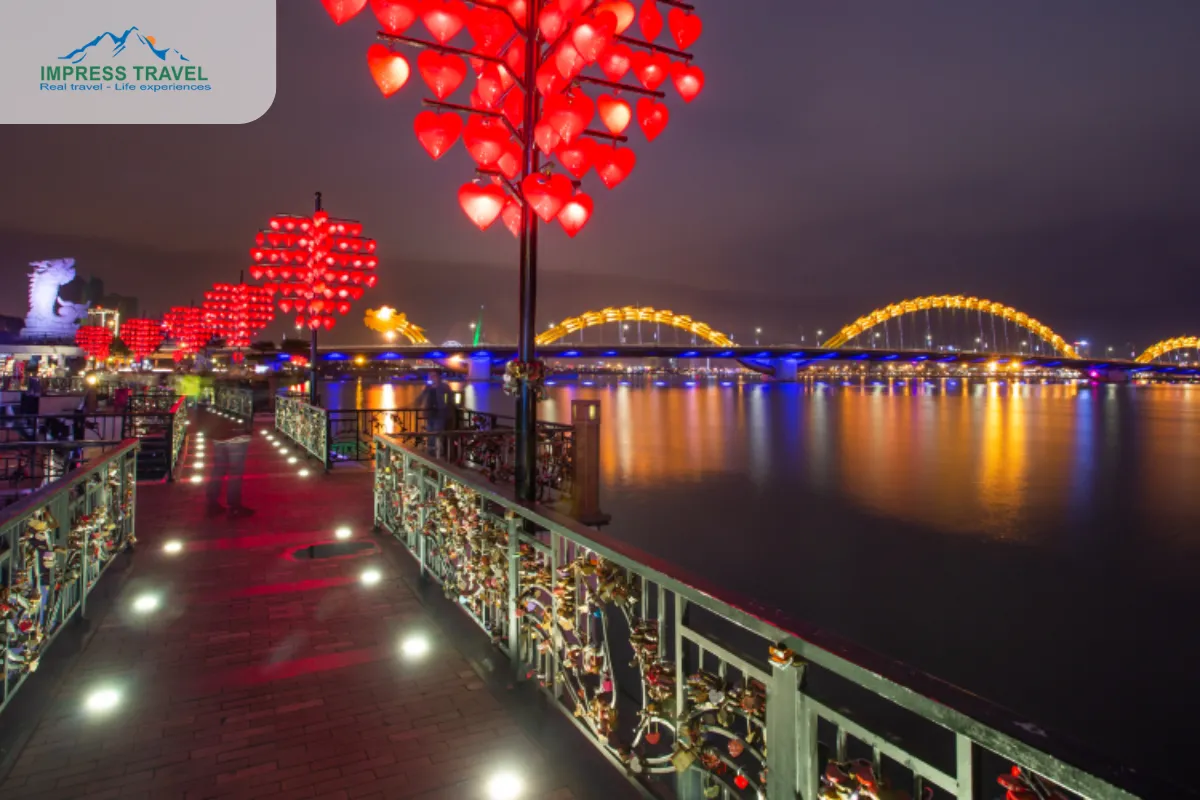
(926, 159)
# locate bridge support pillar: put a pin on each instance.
(785, 370)
(585, 482)
(1110, 375)
(479, 369)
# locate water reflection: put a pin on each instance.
(1002, 459)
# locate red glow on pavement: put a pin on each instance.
(250, 676)
(295, 586)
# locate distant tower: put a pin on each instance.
(478, 329)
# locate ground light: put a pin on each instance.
(283, 451)
(303, 473)
(197, 478)
(342, 532)
(292, 459)
(505, 786)
(371, 577)
(102, 700)
(415, 646)
(173, 546)
(145, 604)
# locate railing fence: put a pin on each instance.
(681, 684)
(56, 543)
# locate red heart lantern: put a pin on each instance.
(568, 61)
(741, 781)
(546, 195)
(650, 20)
(545, 137)
(685, 27)
(650, 68)
(389, 69)
(514, 58)
(442, 73)
(615, 113)
(575, 213)
(653, 117)
(518, 9)
(482, 204)
(590, 37)
(688, 80)
(485, 139)
(490, 29)
(512, 217)
(576, 158)
(514, 107)
(396, 16)
(549, 80)
(622, 10)
(569, 114)
(437, 133)
(613, 164)
(343, 10)
(285, 306)
(615, 61)
(509, 161)
(444, 18)
(490, 85)
(573, 8)
(552, 22)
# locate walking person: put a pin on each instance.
(432, 402)
(229, 461)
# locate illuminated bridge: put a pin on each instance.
(940, 329)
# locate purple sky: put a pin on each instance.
(842, 155)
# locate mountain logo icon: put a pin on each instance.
(132, 46)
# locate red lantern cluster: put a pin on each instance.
(237, 311)
(316, 264)
(589, 45)
(95, 340)
(141, 336)
(186, 325)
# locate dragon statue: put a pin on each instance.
(51, 317)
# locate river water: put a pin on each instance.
(1038, 544)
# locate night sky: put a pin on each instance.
(842, 156)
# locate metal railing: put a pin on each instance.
(235, 400)
(682, 684)
(161, 431)
(304, 424)
(56, 543)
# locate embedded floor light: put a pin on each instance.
(283, 451)
(303, 473)
(292, 459)
(371, 577)
(415, 646)
(173, 546)
(505, 786)
(197, 478)
(342, 532)
(102, 700)
(145, 604)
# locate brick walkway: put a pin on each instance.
(266, 675)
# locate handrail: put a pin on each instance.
(534, 579)
(57, 542)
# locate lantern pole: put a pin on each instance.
(526, 422)
(313, 394)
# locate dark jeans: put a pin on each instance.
(228, 462)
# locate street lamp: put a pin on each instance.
(757, 333)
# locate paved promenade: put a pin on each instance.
(265, 673)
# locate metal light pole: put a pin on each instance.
(314, 396)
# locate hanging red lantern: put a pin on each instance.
(444, 18)
(652, 117)
(650, 68)
(546, 194)
(615, 61)
(685, 28)
(622, 10)
(576, 158)
(396, 16)
(187, 326)
(614, 113)
(437, 133)
(343, 10)
(575, 214)
(650, 20)
(613, 164)
(142, 336)
(688, 80)
(236, 312)
(390, 70)
(329, 265)
(482, 204)
(441, 73)
(94, 340)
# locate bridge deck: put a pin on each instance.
(263, 675)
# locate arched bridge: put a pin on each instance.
(1160, 349)
(627, 314)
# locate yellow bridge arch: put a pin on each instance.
(1167, 346)
(882, 315)
(634, 314)
(386, 319)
